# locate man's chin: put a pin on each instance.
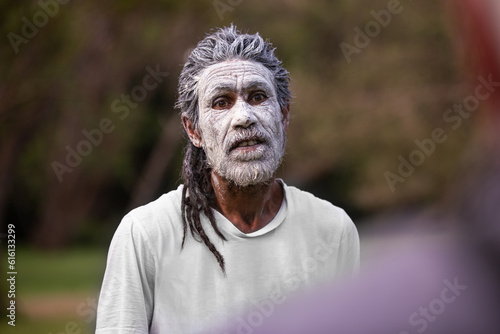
(247, 177)
(251, 183)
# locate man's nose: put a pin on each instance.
(243, 115)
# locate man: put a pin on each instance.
(232, 236)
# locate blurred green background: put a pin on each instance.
(350, 122)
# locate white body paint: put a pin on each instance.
(243, 117)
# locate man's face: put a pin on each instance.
(241, 126)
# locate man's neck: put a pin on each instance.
(248, 208)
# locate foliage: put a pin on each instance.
(350, 121)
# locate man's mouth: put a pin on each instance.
(247, 143)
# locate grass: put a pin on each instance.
(71, 271)
(56, 292)
(48, 326)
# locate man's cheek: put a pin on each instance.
(274, 128)
(215, 140)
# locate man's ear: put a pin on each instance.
(286, 116)
(192, 131)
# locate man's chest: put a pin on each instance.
(259, 272)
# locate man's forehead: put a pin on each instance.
(235, 74)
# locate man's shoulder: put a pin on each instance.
(152, 227)
(164, 210)
(305, 205)
(306, 200)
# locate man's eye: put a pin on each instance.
(258, 98)
(220, 104)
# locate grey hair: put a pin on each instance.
(198, 196)
(228, 44)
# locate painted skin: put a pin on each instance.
(240, 121)
(243, 132)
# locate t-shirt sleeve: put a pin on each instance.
(349, 251)
(126, 298)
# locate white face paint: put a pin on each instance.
(241, 124)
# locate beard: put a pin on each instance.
(245, 169)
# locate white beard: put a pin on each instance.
(250, 168)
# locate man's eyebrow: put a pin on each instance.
(230, 86)
(224, 87)
(257, 84)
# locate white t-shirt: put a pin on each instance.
(152, 286)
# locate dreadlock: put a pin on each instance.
(198, 196)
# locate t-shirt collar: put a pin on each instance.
(229, 227)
